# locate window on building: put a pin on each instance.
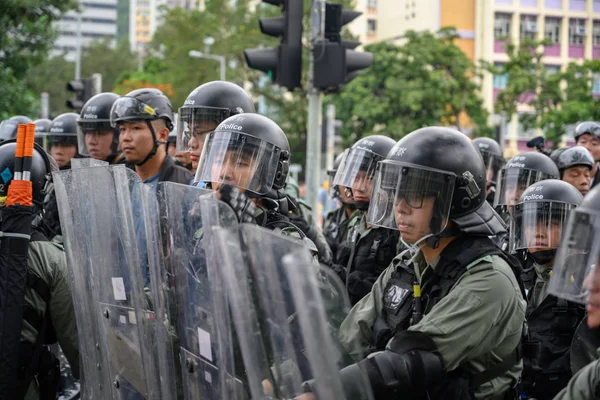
(371, 25)
(596, 84)
(371, 3)
(596, 33)
(502, 25)
(577, 31)
(500, 81)
(552, 69)
(552, 29)
(528, 27)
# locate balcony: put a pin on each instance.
(499, 46)
(553, 4)
(577, 5)
(596, 52)
(529, 3)
(576, 50)
(552, 50)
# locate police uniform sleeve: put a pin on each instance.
(483, 312)
(583, 385)
(356, 331)
(62, 312)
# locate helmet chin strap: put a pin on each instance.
(361, 205)
(431, 240)
(154, 148)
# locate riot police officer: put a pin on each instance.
(575, 278)
(251, 152)
(370, 249)
(61, 140)
(335, 227)
(452, 302)
(205, 108)
(49, 314)
(96, 137)
(8, 128)
(494, 161)
(575, 164)
(536, 228)
(144, 118)
(587, 134)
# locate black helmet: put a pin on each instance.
(441, 164)
(63, 130)
(487, 145)
(41, 167)
(571, 157)
(42, 127)
(492, 157)
(336, 165)
(357, 168)
(519, 173)
(94, 118)
(542, 208)
(587, 127)
(8, 128)
(259, 145)
(207, 106)
(142, 104)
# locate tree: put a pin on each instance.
(552, 99)
(26, 37)
(426, 81)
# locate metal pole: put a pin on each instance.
(330, 135)
(315, 106)
(222, 61)
(97, 83)
(78, 49)
(44, 105)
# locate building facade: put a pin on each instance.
(98, 20)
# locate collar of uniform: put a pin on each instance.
(543, 272)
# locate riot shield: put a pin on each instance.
(299, 306)
(102, 211)
(198, 309)
(584, 345)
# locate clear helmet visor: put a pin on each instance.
(538, 225)
(574, 271)
(412, 199)
(357, 170)
(493, 165)
(240, 160)
(512, 182)
(194, 125)
(63, 139)
(130, 109)
(97, 139)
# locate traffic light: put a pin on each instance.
(335, 61)
(82, 88)
(284, 62)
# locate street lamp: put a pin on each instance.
(221, 59)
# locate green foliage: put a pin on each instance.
(554, 99)
(25, 39)
(426, 81)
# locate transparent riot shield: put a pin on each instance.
(102, 214)
(198, 311)
(298, 306)
(585, 342)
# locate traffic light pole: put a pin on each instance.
(315, 106)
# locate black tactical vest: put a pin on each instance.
(336, 230)
(551, 327)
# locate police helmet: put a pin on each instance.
(335, 193)
(9, 127)
(492, 156)
(587, 127)
(572, 157)
(441, 164)
(142, 105)
(41, 167)
(357, 168)
(543, 208)
(63, 131)
(207, 106)
(42, 127)
(249, 151)
(519, 173)
(95, 118)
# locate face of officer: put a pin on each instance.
(591, 143)
(578, 176)
(63, 153)
(513, 194)
(99, 144)
(200, 130)
(233, 167)
(171, 149)
(413, 217)
(136, 140)
(543, 235)
(489, 177)
(362, 187)
(592, 285)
